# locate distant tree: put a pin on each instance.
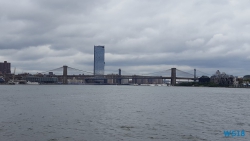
(246, 78)
(240, 80)
(222, 79)
(204, 79)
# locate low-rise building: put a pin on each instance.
(75, 81)
(5, 67)
(43, 79)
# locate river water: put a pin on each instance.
(122, 113)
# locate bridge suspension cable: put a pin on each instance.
(199, 73)
(185, 72)
(80, 70)
(157, 72)
(204, 73)
(51, 70)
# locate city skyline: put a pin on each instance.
(143, 37)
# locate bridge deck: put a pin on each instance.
(123, 77)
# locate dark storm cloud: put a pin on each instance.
(153, 35)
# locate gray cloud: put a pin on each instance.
(139, 36)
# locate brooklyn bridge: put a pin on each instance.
(119, 77)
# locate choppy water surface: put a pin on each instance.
(116, 113)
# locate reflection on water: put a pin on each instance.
(116, 113)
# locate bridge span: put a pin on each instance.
(117, 78)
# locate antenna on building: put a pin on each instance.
(14, 74)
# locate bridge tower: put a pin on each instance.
(119, 77)
(65, 74)
(194, 75)
(173, 76)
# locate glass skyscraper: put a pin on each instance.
(99, 62)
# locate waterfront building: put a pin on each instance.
(75, 81)
(112, 78)
(41, 79)
(5, 67)
(51, 74)
(153, 81)
(99, 61)
(124, 81)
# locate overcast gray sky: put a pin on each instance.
(139, 36)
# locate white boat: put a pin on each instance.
(16, 83)
(32, 83)
(11, 83)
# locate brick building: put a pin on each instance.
(5, 67)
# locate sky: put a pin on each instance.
(140, 36)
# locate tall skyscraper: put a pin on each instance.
(5, 67)
(99, 62)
